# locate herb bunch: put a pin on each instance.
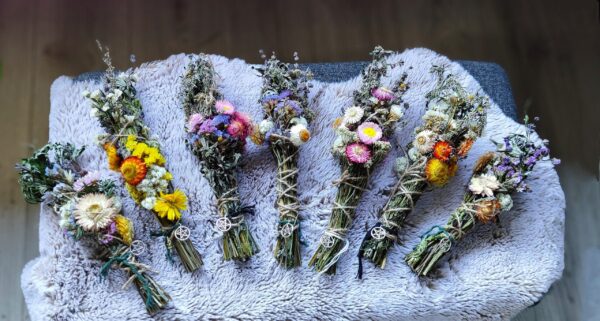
(284, 99)
(362, 142)
(217, 136)
(137, 157)
(88, 207)
(496, 176)
(453, 120)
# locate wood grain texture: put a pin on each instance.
(550, 50)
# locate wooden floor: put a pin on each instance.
(549, 48)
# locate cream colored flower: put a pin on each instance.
(424, 141)
(484, 184)
(396, 112)
(94, 212)
(353, 115)
(265, 126)
(299, 134)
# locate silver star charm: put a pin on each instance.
(286, 230)
(378, 233)
(223, 224)
(327, 241)
(182, 233)
(137, 248)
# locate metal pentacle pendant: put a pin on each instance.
(378, 233)
(327, 241)
(137, 247)
(182, 233)
(223, 224)
(286, 230)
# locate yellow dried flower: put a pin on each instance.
(439, 172)
(170, 205)
(124, 228)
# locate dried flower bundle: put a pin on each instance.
(137, 157)
(285, 128)
(88, 208)
(454, 119)
(496, 176)
(361, 144)
(217, 136)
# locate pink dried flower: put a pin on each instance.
(236, 129)
(383, 94)
(194, 123)
(358, 153)
(86, 180)
(369, 132)
(224, 107)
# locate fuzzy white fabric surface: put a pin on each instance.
(492, 274)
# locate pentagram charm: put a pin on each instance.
(223, 224)
(182, 233)
(327, 241)
(286, 230)
(378, 233)
(137, 247)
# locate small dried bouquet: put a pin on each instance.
(137, 157)
(217, 136)
(496, 176)
(89, 207)
(454, 119)
(362, 142)
(285, 128)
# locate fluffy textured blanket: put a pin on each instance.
(493, 274)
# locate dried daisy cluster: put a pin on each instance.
(453, 120)
(88, 207)
(137, 157)
(285, 128)
(362, 142)
(217, 136)
(495, 177)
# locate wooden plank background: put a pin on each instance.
(550, 50)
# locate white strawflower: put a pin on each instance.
(265, 126)
(94, 212)
(148, 203)
(484, 184)
(299, 134)
(299, 121)
(424, 141)
(95, 94)
(353, 115)
(396, 112)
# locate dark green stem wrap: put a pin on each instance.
(155, 298)
(352, 184)
(287, 247)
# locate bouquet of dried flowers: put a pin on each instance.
(496, 176)
(454, 119)
(217, 136)
(361, 144)
(89, 207)
(285, 128)
(137, 157)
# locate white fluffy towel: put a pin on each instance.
(492, 274)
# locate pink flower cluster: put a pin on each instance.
(228, 123)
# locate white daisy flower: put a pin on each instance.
(299, 134)
(94, 212)
(424, 141)
(353, 115)
(484, 184)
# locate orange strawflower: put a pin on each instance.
(487, 211)
(133, 170)
(465, 147)
(442, 150)
(114, 160)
